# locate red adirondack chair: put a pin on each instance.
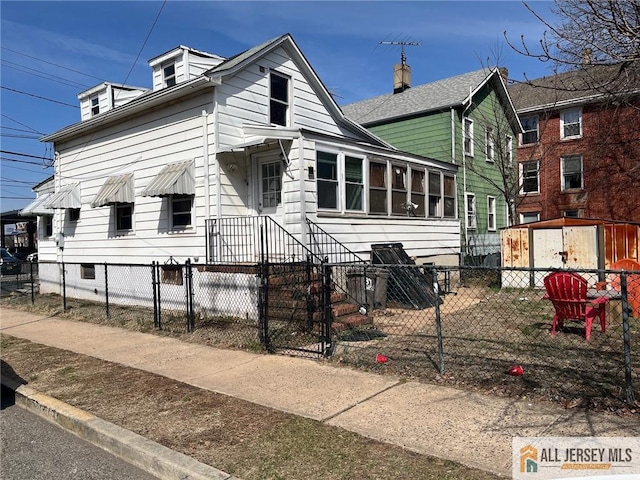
(633, 283)
(568, 293)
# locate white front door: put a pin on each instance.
(269, 195)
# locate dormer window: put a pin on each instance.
(95, 105)
(169, 74)
(279, 99)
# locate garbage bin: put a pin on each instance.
(368, 286)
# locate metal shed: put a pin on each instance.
(580, 243)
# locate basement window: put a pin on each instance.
(171, 274)
(88, 271)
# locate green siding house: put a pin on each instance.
(468, 120)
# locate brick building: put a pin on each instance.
(579, 153)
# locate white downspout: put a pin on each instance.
(205, 157)
(303, 196)
(216, 139)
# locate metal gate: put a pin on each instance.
(295, 308)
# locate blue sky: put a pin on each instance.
(56, 50)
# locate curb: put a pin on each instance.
(153, 458)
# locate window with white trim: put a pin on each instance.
(489, 145)
(181, 211)
(327, 180)
(124, 217)
(46, 226)
(470, 205)
(529, 133)
(417, 193)
(528, 217)
(529, 177)
(491, 213)
(378, 188)
(571, 172)
(442, 195)
(571, 124)
(508, 150)
(354, 183)
(467, 136)
(169, 74)
(95, 105)
(399, 190)
(449, 196)
(278, 99)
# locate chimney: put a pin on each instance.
(504, 73)
(401, 77)
(587, 56)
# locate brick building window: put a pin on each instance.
(571, 172)
(529, 177)
(529, 130)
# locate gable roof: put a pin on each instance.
(214, 76)
(583, 85)
(439, 95)
(240, 61)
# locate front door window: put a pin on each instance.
(270, 186)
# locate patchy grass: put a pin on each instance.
(244, 439)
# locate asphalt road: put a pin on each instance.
(34, 449)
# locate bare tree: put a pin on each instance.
(599, 37)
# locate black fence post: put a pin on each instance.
(626, 337)
(436, 293)
(64, 288)
(33, 296)
(158, 291)
(155, 296)
(327, 314)
(106, 290)
(263, 294)
(309, 293)
(189, 292)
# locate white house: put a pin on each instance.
(183, 170)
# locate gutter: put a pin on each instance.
(140, 104)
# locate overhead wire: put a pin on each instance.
(38, 73)
(19, 123)
(38, 96)
(51, 63)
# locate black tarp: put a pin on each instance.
(407, 286)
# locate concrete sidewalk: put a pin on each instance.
(469, 428)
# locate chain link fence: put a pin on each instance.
(471, 325)
(464, 326)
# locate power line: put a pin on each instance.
(54, 64)
(36, 73)
(38, 96)
(16, 135)
(12, 180)
(21, 161)
(23, 154)
(16, 121)
(18, 129)
(35, 172)
(17, 198)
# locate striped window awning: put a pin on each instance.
(117, 189)
(67, 197)
(37, 206)
(173, 179)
